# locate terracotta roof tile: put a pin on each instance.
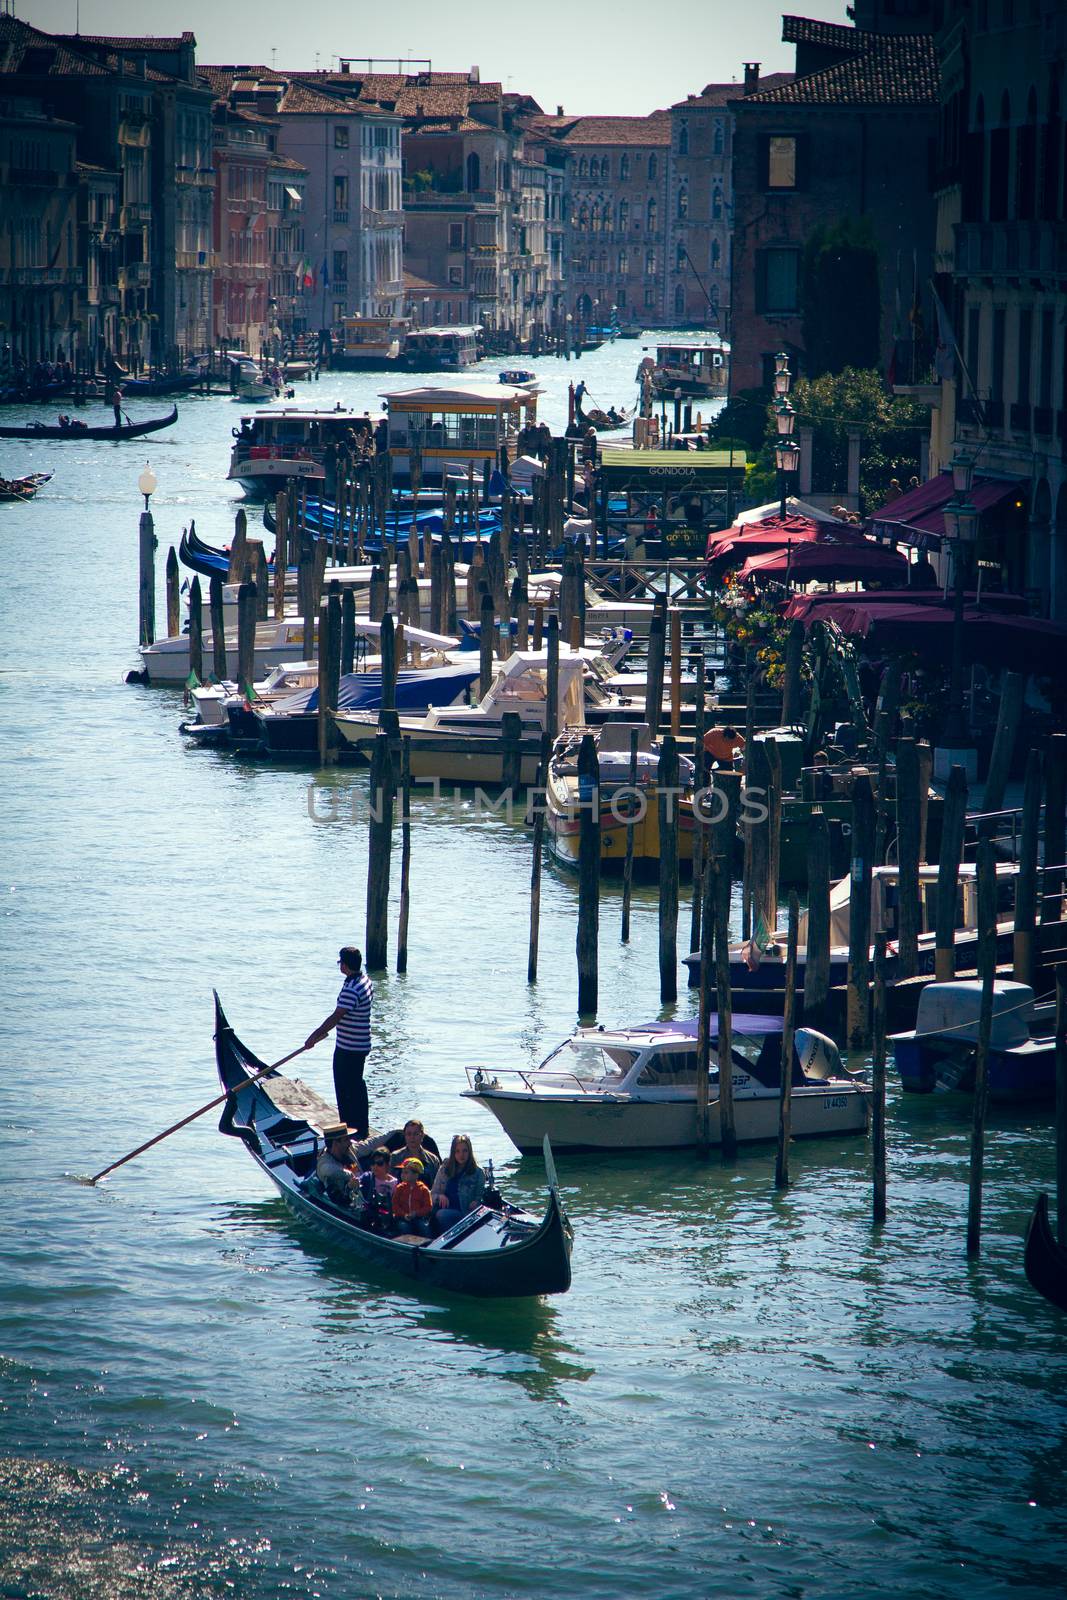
(831, 35)
(886, 70)
(720, 94)
(651, 130)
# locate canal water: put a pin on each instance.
(744, 1393)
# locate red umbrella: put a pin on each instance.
(756, 538)
(844, 563)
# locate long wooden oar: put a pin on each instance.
(219, 1098)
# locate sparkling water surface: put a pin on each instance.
(744, 1392)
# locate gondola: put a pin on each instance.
(601, 422)
(201, 557)
(22, 488)
(1045, 1260)
(490, 1252)
(125, 430)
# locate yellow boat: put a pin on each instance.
(619, 800)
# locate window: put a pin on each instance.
(716, 203)
(583, 168)
(683, 204)
(340, 199)
(974, 345)
(620, 297)
(624, 263)
(624, 215)
(595, 217)
(650, 299)
(340, 136)
(716, 253)
(340, 266)
(679, 256)
(455, 275)
(650, 263)
(653, 168)
(996, 384)
(781, 161)
(717, 139)
(605, 169)
(340, 310)
(624, 168)
(1000, 164)
(1026, 349)
(679, 301)
(651, 216)
(1047, 335)
(474, 172)
(455, 236)
(683, 138)
(777, 281)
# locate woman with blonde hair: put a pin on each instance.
(459, 1185)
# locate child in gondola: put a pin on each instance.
(377, 1188)
(411, 1200)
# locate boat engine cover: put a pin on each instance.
(818, 1055)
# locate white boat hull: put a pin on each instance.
(595, 1122)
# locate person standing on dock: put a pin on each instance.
(351, 1018)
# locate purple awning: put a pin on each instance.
(917, 517)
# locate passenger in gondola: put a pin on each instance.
(459, 1185)
(377, 1186)
(412, 1204)
(415, 1145)
(336, 1167)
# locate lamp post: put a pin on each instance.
(147, 483)
(786, 452)
(961, 530)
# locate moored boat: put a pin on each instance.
(696, 365)
(496, 1250)
(940, 1052)
(1044, 1259)
(622, 806)
(22, 488)
(636, 1088)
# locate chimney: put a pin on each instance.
(476, 74)
(346, 66)
(559, 111)
(751, 76)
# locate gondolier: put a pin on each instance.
(351, 1018)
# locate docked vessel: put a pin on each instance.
(456, 427)
(940, 1053)
(372, 343)
(636, 1088)
(622, 805)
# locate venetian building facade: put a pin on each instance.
(616, 216)
(1001, 185)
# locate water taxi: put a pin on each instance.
(456, 426)
(273, 446)
(697, 365)
(449, 348)
(372, 343)
(636, 1088)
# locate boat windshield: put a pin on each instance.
(591, 1060)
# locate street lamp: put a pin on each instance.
(782, 376)
(786, 452)
(147, 483)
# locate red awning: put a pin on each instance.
(757, 538)
(821, 607)
(997, 638)
(917, 517)
(840, 563)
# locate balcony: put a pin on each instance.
(341, 217)
(134, 214)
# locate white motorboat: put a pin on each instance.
(462, 744)
(636, 1088)
(277, 643)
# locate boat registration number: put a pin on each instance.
(835, 1102)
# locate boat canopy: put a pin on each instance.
(473, 394)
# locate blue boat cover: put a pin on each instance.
(416, 690)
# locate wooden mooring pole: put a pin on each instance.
(146, 604)
(588, 876)
(538, 802)
(878, 1054)
(667, 802)
(633, 801)
(987, 972)
(196, 631)
(953, 821)
(859, 913)
(380, 794)
(1026, 879)
(173, 601)
(785, 1099)
(218, 629)
(909, 828)
(719, 849)
(405, 856)
(817, 943)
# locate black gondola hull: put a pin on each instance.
(126, 430)
(536, 1264)
(1044, 1259)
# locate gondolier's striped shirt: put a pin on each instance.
(353, 1029)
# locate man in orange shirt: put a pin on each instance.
(724, 745)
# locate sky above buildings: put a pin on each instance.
(629, 56)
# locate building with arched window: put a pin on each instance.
(617, 178)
